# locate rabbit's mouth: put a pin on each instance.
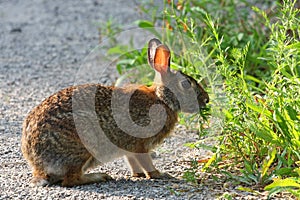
(202, 103)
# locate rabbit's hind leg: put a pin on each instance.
(76, 175)
(40, 178)
(82, 179)
(72, 179)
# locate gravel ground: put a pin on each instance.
(42, 46)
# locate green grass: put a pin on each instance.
(249, 61)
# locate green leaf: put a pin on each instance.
(197, 9)
(248, 166)
(205, 146)
(267, 163)
(228, 114)
(190, 145)
(252, 78)
(246, 189)
(275, 191)
(288, 182)
(292, 112)
(265, 134)
(212, 159)
(297, 170)
(144, 23)
(296, 193)
(126, 62)
(149, 26)
(284, 171)
(280, 121)
(117, 50)
(240, 36)
(294, 46)
(296, 142)
(258, 109)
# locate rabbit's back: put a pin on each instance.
(50, 134)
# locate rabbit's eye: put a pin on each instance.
(186, 84)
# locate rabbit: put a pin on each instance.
(56, 134)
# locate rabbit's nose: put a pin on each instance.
(206, 100)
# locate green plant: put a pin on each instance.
(262, 123)
(260, 70)
(249, 59)
(108, 30)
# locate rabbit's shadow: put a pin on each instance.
(133, 187)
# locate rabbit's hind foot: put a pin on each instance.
(39, 181)
(138, 175)
(85, 179)
(152, 175)
(158, 175)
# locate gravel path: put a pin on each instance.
(42, 44)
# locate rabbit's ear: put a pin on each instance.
(162, 59)
(152, 45)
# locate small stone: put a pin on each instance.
(16, 30)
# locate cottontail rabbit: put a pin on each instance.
(61, 140)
